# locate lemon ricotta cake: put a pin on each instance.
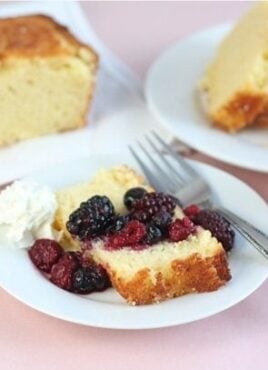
(47, 78)
(108, 220)
(235, 85)
(113, 183)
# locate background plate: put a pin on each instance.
(171, 95)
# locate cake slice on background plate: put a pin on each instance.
(47, 78)
(235, 85)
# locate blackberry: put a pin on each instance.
(90, 279)
(141, 216)
(152, 203)
(132, 195)
(118, 224)
(92, 218)
(45, 253)
(153, 234)
(162, 220)
(218, 226)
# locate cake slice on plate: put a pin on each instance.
(149, 247)
(235, 86)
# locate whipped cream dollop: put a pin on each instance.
(27, 211)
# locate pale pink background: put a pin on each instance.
(235, 339)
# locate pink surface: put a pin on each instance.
(234, 339)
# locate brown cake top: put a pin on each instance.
(36, 35)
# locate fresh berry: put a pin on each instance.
(116, 241)
(118, 224)
(141, 216)
(162, 220)
(180, 229)
(132, 233)
(153, 234)
(191, 210)
(151, 204)
(45, 253)
(92, 218)
(90, 279)
(132, 195)
(218, 226)
(62, 272)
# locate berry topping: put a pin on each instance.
(131, 234)
(191, 210)
(118, 224)
(62, 272)
(45, 253)
(162, 220)
(132, 195)
(153, 234)
(90, 279)
(92, 218)
(218, 226)
(180, 229)
(152, 203)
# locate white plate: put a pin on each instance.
(171, 94)
(107, 309)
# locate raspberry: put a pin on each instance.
(45, 253)
(132, 196)
(116, 241)
(92, 218)
(90, 279)
(191, 210)
(218, 226)
(132, 233)
(180, 229)
(152, 203)
(62, 272)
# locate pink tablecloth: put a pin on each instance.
(235, 339)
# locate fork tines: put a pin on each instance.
(165, 169)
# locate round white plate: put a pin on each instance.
(172, 96)
(107, 309)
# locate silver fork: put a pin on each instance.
(179, 178)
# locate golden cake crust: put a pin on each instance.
(235, 82)
(194, 274)
(243, 110)
(37, 36)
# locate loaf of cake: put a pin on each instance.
(47, 78)
(235, 85)
(141, 273)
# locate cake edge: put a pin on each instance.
(193, 274)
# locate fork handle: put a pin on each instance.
(256, 237)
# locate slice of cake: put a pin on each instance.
(113, 183)
(150, 249)
(47, 78)
(236, 82)
(165, 269)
